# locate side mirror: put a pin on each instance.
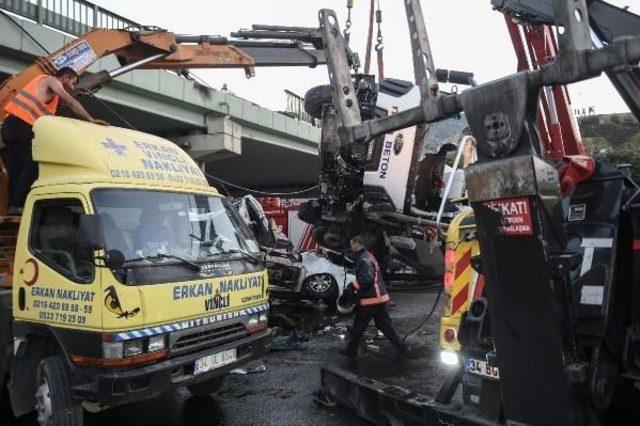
(91, 232)
(114, 259)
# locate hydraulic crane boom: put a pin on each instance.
(607, 23)
(154, 48)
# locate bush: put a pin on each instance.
(622, 156)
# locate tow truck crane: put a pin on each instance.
(465, 333)
(558, 255)
(156, 48)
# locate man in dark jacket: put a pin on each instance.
(372, 298)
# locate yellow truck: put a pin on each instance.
(131, 277)
(462, 284)
(465, 327)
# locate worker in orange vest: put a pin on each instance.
(38, 98)
(372, 298)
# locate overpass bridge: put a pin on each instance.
(233, 138)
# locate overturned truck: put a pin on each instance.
(394, 198)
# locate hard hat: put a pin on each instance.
(345, 303)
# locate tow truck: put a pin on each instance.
(465, 331)
(557, 249)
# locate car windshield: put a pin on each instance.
(169, 226)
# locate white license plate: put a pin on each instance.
(481, 368)
(211, 362)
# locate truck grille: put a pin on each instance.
(210, 337)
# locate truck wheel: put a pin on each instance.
(54, 404)
(207, 388)
(316, 98)
(321, 287)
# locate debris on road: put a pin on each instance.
(251, 368)
(288, 340)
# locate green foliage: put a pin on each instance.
(613, 139)
(622, 156)
(615, 134)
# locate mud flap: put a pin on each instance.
(22, 386)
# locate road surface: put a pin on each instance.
(283, 394)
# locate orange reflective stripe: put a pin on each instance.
(41, 107)
(375, 277)
(22, 110)
(373, 259)
(374, 300)
(379, 298)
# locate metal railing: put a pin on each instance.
(295, 108)
(75, 17)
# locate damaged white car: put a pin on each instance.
(316, 275)
(319, 274)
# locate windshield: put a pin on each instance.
(164, 226)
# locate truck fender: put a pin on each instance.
(32, 343)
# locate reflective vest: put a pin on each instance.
(370, 294)
(27, 107)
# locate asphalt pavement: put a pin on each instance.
(283, 393)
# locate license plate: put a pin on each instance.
(481, 368)
(211, 362)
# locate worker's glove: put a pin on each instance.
(350, 290)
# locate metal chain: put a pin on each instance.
(347, 25)
(380, 44)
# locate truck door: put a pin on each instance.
(56, 280)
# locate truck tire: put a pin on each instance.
(54, 404)
(316, 98)
(206, 388)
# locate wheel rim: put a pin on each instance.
(43, 403)
(320, 283)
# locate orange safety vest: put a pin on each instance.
(27, 107)
(381, 295)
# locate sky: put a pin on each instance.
(464, 34)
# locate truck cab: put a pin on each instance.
(132, 276)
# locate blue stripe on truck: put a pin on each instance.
(183, 325)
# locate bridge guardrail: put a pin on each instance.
(295, 108)
(70, 16)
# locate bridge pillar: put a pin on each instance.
(223, 139)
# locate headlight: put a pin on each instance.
(133, 348)
(112, 350)
(156, 343)
(253, 322)
(263, 317)
(449, 357)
